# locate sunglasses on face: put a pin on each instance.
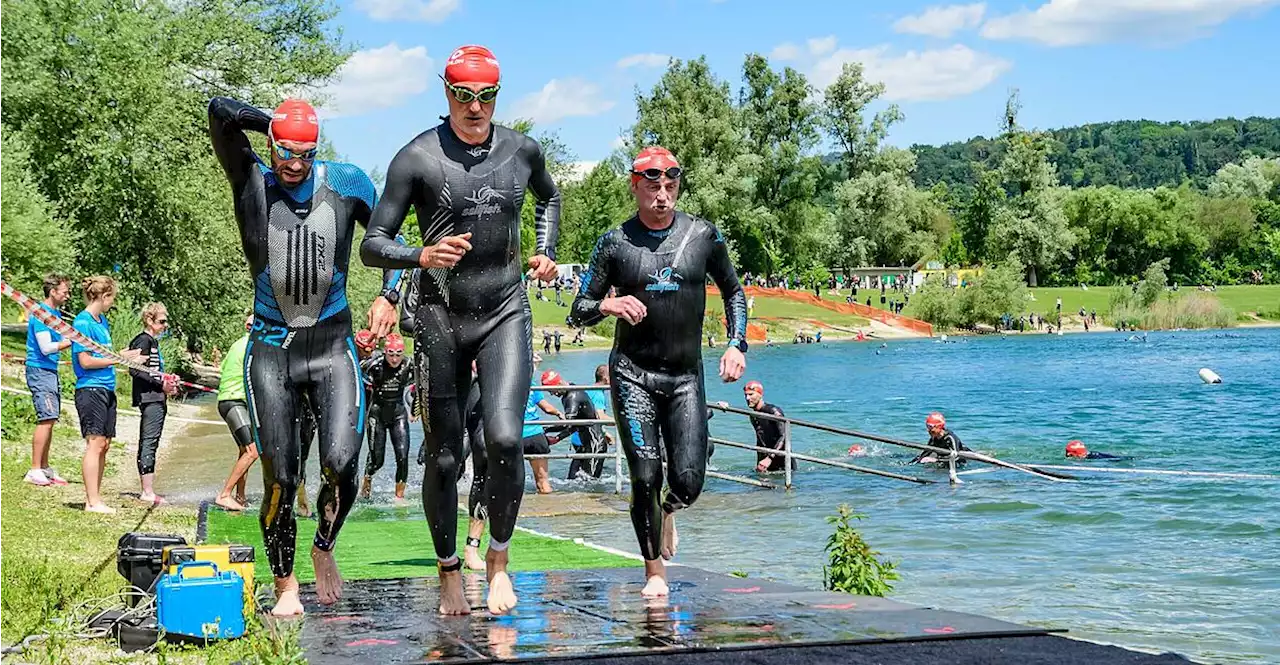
(673, 173)
(163, 322)
(284, 154)
(467, 95)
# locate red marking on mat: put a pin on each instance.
(750, 589)
(341, 618)
(940, 631)
(843, 606)
(370, 642)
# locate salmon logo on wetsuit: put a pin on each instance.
(664, 279)
(482, 199)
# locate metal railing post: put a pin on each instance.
(786, 447)
(617, 465)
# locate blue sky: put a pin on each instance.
(573, 65)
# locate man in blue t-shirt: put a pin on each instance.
(96, 385)
(534, 439)
(44, 347)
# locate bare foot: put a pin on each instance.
(655, 574)
(288, 604)
(328, 579)
(453, 602)
(242, 499)
(229, 503)
(502, 594)
(99, 508)
(472, 558)
(670, 539)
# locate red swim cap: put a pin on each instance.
(552, 378)
(753, 386)
(364, 339)
(472, 64)
(653, 157)
(1075, 448)
(935, 419)
(295, 120)
(395, 343)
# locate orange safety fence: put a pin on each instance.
(856, 309)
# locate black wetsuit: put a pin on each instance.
(1097, 455)
(476, 310)
(389, 385)
(576, 405)
(656, 366)
(298, 244)
(948, 440)
(476, 505)
(769, 434)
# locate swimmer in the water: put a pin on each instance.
(1077, 449)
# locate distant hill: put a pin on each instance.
(1128, 153)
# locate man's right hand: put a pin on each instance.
(627, 308)
(446, 253)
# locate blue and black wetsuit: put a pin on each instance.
(298, 243)
(946, 439)
(476, 310)
(656, 366)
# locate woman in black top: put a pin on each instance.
(149, 395)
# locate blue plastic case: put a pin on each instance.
(202, 607)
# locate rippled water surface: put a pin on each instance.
(1161, 562)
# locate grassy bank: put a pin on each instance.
(1263, 301)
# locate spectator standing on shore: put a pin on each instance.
(96, 386)
(44, 348)
(150, 396)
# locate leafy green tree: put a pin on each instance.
(37, 240)
(995, 293)
(1255, 178)
(598, 203)
(844, 104)
(111, 97)
(980, 212)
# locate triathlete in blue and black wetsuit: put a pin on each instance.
(466, 179)
(659, 261)
(297, 217)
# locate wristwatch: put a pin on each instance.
(739, 344)
(392, 296)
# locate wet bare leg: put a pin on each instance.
(288, 604)
(502, 594)
(471, 555)
(670, 538)
(453, 600)
(655, 576)
(236, 481)
(328, 579)
(541, 475)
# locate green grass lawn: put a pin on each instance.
(385, 543)
(1262, 299)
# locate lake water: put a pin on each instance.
(1160, 562)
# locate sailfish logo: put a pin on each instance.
(484, 200)
(664, 279)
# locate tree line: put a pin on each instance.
(107, 168)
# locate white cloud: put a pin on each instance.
(377, 78)
(1075, 22)
(785, 52)
(822, 45)
(932, 74)
(430, 11)
(579, 171)
(942, 21)
(644, 60)
(559, 99)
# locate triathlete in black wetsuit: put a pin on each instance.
(1077, 449)
(577, 405)
(939, 437)
(389, 376)
(296, 221)
(769, 432)
(466, 180)
(658, 261)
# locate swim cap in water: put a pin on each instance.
(295, 120)
(1075, 448)
(472, 64)
(395, 343)
(935, 419)
(552, 378)
(364, 339)
(755, 386)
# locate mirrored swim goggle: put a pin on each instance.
(284, 154)
(673, 172)
(467, 95)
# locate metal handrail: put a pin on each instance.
(818, 460)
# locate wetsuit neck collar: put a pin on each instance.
(659, 233)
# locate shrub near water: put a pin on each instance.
(852, 566)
